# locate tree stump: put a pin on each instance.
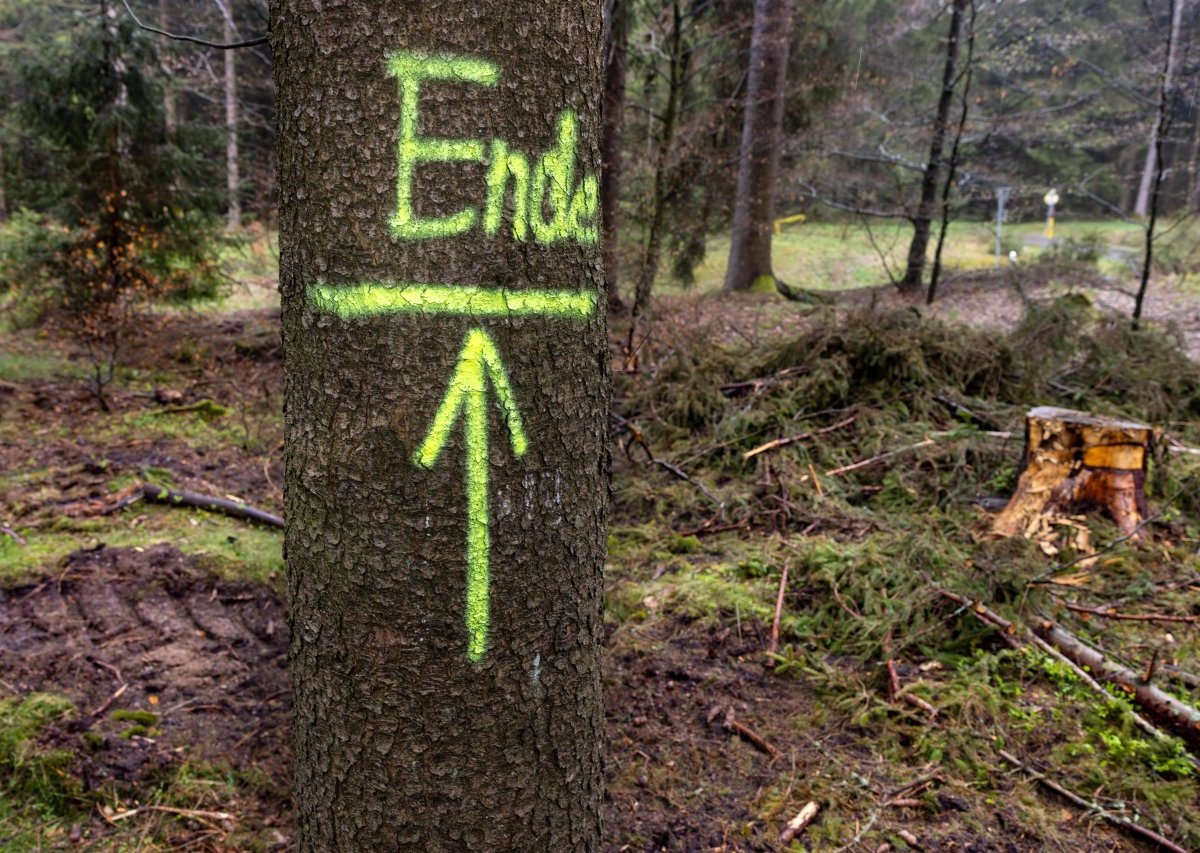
(1078, 462)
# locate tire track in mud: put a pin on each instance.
(207, 656)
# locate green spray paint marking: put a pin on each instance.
(478, 363)
(364, 300)
(550, 185)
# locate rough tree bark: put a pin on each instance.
(1150, 170)
(611, 140)
(233, 178)
(914, 270)
(446, 418)
(754, 205)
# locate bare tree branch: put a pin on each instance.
(203, 42)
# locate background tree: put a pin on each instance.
(915, 268)
(446, 697)
(616, 45)
(754, 207)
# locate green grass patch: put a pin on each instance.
(234, 550)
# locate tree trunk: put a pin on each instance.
(439, 262)
(1150, 172)
(914, 271)
(762, 126)
(1076, 461)
(233, 178)
(611, 139)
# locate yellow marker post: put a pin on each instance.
(1051, 199)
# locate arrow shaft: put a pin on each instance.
(478, 529)
(467, 395)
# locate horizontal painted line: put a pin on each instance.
(366, 300)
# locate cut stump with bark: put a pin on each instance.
(1079, 462)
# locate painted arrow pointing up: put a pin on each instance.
(478, 363)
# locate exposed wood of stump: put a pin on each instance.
(1077, 462)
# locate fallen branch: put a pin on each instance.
(172, 497)
(753, 386)
(12, 534)
(1176, 715)
(1009, 632)
(981, 421)
(1113, 613)
(804, 436)
(845, 469)
(711, 529)
(1116, 820)
(683, 475)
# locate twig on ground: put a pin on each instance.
(774, 644)
(1116, 820)
(793, 439)
(1008, 631)
(107, 703)
(727, 721)
(13, 535)
(683, 475)
(798, 824)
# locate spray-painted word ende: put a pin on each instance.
(547, 187)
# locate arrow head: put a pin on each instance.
(478, 362)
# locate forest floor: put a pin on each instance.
(143, 688)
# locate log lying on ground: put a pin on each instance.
(1159, 705)
(173, 497)
(1076, 462)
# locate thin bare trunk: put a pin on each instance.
(3, 200)
(1151, 174)
(170, 107)
(1161, 121)
(1193, 188)
(611, 138)
(923, 218)
(658, 214)
(952, 166)
(758, 165)
(233, 179)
